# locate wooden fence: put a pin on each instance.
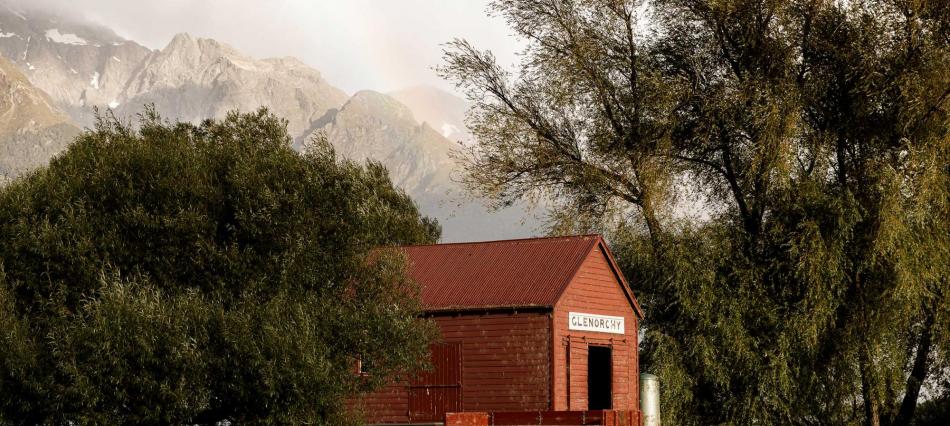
(524, 418)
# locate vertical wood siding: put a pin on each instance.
(437, 391)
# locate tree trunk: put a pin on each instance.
(918, 373)
(872, 407)
(872, 411)
(653, 224)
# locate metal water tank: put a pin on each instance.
(650, 399)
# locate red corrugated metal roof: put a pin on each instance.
(494, 274)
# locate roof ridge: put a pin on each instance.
(510, 240)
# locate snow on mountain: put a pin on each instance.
(69, 60)
(55, 36)
(440, 109)
(450, 130)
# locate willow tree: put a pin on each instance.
(813, 289)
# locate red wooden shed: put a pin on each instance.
(542, 324)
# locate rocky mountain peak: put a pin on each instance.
(188, 54)
(181, 39)
(207, 47)
(194, 78)
(374, 104)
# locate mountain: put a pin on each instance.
(31, 129)
(195, 78)
(372, 125)
(442, 110)
(81, 65)
(77, 64)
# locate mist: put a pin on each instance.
(356, 44)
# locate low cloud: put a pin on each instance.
(356, 44)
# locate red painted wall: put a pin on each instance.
(505, 359)
(505, 365)
(594, 290)
(388, 405)
(520, 361)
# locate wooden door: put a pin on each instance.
(438, 391)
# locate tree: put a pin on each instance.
(198, 274)
(817, 136)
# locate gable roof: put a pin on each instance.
(526, 273)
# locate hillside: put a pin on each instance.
(31, 129)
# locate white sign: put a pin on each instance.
(592, 322)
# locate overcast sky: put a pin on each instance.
(357, 44)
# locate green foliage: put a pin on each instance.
(933, 413)
(195, 274)
(814, 136)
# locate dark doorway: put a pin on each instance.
(598, 378)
